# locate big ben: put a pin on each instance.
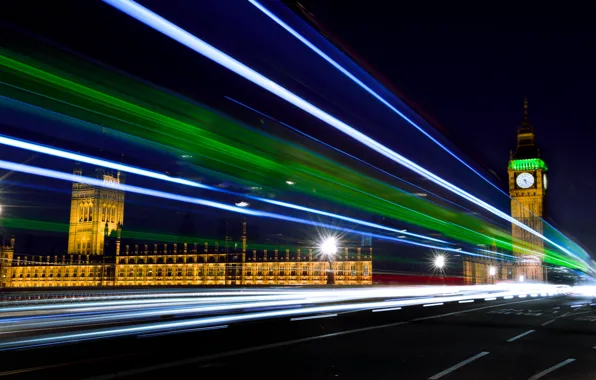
(527, 188)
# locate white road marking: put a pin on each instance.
(490, 299)
(466, 301)
(313, 317)
(564, 315)
(508, 297)
(433, 304)
(464, 311)
(548, 322)
(520, 336)
(549, 370)
(458, 366)
(580, 305)
(388, 309)
(201, 359)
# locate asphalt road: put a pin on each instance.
(506, 339)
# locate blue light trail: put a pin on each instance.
(203, 202)
(166, 27)
(344, 71)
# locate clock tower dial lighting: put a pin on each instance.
(527, 188)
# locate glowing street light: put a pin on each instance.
(492, 271)
(290, 183)
(521, 278)
(439, 261)
(242, 204)
(329, 246)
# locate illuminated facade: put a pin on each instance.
(527, 188)
(95, 212)
(98, 257)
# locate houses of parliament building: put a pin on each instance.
(98, 257)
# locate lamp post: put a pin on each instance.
(492, 272)
(328, 248)
(438, 264)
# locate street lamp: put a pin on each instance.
(521, 278)
(328, 248)
(492, 271)
(242, 204)
(439, 261)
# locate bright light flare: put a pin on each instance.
(329, 246)
(173, 31)
(439, 261)
(242, 204)
(492, 271)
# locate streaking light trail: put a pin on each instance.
(203, 202)
(333, 63)
(166, 27)
(134, 317)
(4, 140)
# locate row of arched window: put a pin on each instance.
(108, 212)
(85, 211)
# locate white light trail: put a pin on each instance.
(203, 202)
(341, 301)
(173, 31)
(352, 77)
(5, 140)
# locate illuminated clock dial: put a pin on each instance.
(525, 180)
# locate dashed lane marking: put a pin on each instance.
(549, 370)
(520, 336)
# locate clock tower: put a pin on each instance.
(527, 187)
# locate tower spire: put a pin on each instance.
(526, 109)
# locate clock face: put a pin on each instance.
(544, 181)
(524, 180)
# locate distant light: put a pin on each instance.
(404, 230)
(401, 237)
(290, 183)
(242, 204)
(0, 209)
(439, 261)
(186, 156)
(492, 271)
(521, 278)
(329, 246)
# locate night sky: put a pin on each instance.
(472, 74)
(469, 76)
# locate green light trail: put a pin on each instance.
(221, 145)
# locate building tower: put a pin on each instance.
(95, 212)
(527, 187)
